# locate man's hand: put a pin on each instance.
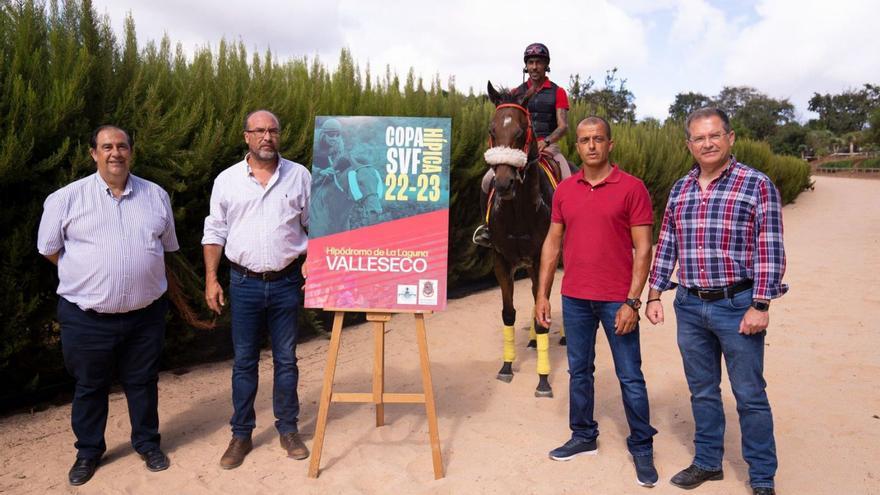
(654, 312)
(542, 311)
(626, 320)
(542, 143)
(214, 296)
(754, 321)
(305, 273)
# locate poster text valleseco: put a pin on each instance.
(379, 213)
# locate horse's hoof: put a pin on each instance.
(543, 389)
(533, 344)
(544, 393)
(562, 341)
(505, 377)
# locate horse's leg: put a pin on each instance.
(542, 341)
(562, 332)
(533, 343)
(504, 274)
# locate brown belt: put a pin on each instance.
(268, 276)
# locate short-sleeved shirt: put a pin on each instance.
(111, 250)
(597, 247)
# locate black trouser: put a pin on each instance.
(94, 344)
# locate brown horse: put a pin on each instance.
(518, 217)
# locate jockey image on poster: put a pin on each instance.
(379, 213)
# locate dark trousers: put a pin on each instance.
(94, 344)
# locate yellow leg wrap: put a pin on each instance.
(509, 347)
(543, 354)
(562, 330)
(532, 330)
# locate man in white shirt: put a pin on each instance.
(108, 234)
(260, 216)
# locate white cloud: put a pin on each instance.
(797, 48)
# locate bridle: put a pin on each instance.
(520, 168)
(529, 133)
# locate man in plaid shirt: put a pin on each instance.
(723, 225)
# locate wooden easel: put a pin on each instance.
(378, 396)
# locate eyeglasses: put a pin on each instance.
(712, 138)
(273, 131)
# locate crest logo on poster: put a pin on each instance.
(428, 292)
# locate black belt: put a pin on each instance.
(268, 276)
(716, 294)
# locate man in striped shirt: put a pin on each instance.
(108, 233)
(259, 216)
(723, 226)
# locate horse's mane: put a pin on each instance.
(507, 95)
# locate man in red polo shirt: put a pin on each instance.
(599, 215)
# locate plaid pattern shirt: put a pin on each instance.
(730, 232)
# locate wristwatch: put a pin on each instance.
(761, 305)
(546, 141)
(633, 303)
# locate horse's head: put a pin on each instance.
(511, 141)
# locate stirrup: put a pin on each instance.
(481, 236)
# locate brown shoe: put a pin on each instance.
(235, 453)
(294, 445)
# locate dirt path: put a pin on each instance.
(822, 366)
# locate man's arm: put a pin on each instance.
(626, 319)
(53, 257)
(550, 252)
(559, 132)
(213, 290)
(665, 258)
(769, 260)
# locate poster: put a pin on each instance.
(379, 213)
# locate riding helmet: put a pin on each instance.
(536, 50)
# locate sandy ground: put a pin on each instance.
(822, 367)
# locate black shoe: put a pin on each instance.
(693, 476)
(156, 460)
(646, 473)
(574, 448)
(481, 236)
(82, 471)
(763, 490)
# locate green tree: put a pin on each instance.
(847, 111)
(613, 101)
(685, 103)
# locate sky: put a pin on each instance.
(784, 48)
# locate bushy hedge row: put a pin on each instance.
(63, 72)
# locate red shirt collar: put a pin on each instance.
(543, 86)
(612, 178)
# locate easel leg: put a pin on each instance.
(326, 394)
(428, 386)
(379, 371)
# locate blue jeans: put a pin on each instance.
(96, 344)
(581, 318)
(256, 305)
(706, 331)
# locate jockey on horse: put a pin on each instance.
(548, 109)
